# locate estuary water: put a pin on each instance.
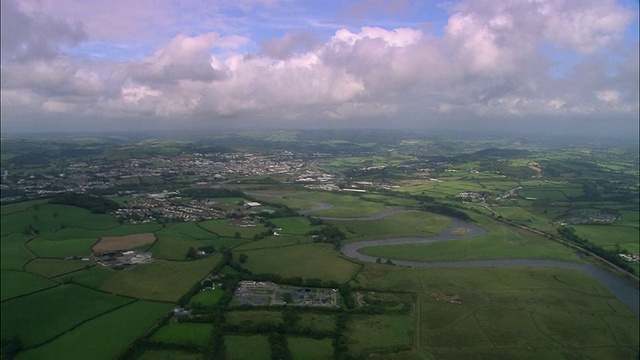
(621, 288)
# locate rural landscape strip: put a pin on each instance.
(325, 278)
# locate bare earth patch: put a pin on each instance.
(111, 243)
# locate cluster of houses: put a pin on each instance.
(82, 176)
(593, 218)
(471, 196)
(261, 293)
(152, 207)
(632, 258)
(120, 259)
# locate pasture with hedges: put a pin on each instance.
(58, 302)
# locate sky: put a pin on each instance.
(558, 67)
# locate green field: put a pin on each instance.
(629, 218)
(169, 355)
(502, 312)
(237, 348)
(292, 203)
(207, 297)
(311, 349)
(104, 337)
(542, 220)
(19, 207)
(93, 277)
(223, 228)
(172, 247)
(390, 302)
(377, 333)
(189, 229)
(16, 283)
(229, 203)
(307, 261)
(608, 236)
(50, 218)
(390, 200)
(275, 242)
(12, 251)
(404, 224)
(448, 187)
(82, 233)
(176, 238)
(498, 243)
(253, 318)
(160, 280)
(41, 316)
(344, 205)
(316, 322)
(61, 248)
(55, 267)
(293, 225)
(184, 333)
(553, 195)
(61, 307)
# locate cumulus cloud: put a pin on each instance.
(490, 61)
(185, 58)
(34, 36)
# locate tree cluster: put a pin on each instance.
(95, 204)
(446, 210)
(202, 193)
(329, 234)
(612, 256)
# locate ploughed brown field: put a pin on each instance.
(110, 243)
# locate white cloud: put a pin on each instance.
(134, 94)
(398, 37)
(610, 96)
(487, 63)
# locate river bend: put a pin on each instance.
(622, 289)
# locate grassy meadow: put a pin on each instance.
(55, 267)
(311, 349)
(500, 242)
(222, 228)
(254, 317)
(169, 355)
(316, 321)
(61, 248)
(377, 333)
(344, 205)
(511, 312)
(160, 280)
(41, 316)
(13, 254)
(403, 224)
(92, 277)
(307, 261)
(61, 307)
(184, 333)
(608, 236)
(207, 297)
(16, 283)
(104, 337)
(236, 346)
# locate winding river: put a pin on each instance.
(621, 288)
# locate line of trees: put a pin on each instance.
(446, 210)
(613, 255)
(330, 234)
(95, 204)
(200, 193)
